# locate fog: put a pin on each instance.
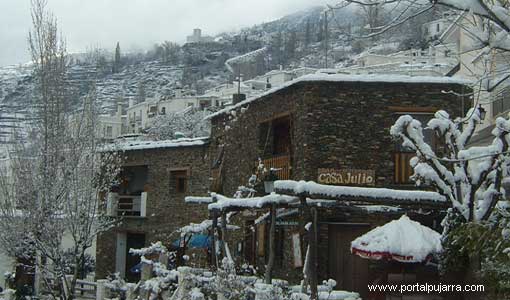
(136, 24)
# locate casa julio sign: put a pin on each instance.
(346, 177)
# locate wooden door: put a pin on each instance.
(349, 270)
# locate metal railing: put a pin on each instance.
(281, 164)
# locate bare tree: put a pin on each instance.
(54, 182)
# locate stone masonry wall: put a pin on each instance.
(166, 211)
(333, 125)
(339, 125)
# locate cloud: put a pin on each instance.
(136, 23)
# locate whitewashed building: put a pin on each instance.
(197, 37)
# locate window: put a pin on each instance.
(438, 27)
(179, 181)
(163, 110)
(204, 104)
(275, 136)
(275, 145)
(109, 131)
(132, 180)
(501, 101)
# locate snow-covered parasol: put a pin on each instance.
(402, 240)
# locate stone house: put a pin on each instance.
(154, 179)
(328, 129)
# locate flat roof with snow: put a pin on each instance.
(143, 145)
(384, 78)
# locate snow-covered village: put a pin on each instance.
(255, 149)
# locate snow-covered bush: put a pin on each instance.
(116, 286)
(489, 242)
(163, 280)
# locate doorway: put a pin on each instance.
(350, 271)
(133, 241)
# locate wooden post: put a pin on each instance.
(269, 269)
(214, 241)
(313, 256)
(305, 213)
(146, 272)
(223, 233)
(163, 259)
(101, 289)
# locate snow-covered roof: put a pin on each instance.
(381, 195)
(143, 145)
(403, 240)
(383, 78)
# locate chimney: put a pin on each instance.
(119, 109)
(131, 102)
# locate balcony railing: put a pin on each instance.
(282, 165)
(126, 205)
(403, 169)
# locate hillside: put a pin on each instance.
(295, 40)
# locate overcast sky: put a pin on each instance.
(136, 23)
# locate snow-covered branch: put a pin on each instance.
(470, 177)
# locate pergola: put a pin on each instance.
(307, 197)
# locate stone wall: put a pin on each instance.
(341, 125)
(333, 125)
(166, 211)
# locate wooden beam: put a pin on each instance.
(412, 109)
(381, 201)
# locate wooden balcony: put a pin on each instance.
(403, 169)
(282, 165)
